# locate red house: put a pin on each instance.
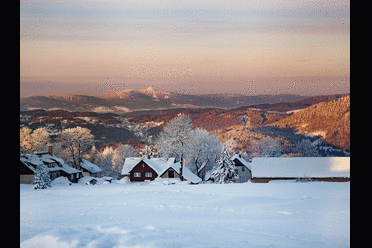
(141, 169)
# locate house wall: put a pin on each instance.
(245, 175)
(26, 179)
(86, 173)
(23, 169)
(166, 174)
(74, 177)
(26, 175)
(142, 167)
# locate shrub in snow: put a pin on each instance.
(124, 180)
(224, 172)
(42, 177)
(60, 181)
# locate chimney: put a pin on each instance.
(50, 149)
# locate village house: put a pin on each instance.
(56, 166)
(330, 169)
(142, 169)
(242, 168)
(90, 169)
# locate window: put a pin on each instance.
(236, 171)
(243, 168)
(72, 176)
(137, 174)
(148, 174)
(171, 174)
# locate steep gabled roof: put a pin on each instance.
(53, 163)
(92, 168)
(157, 164)
(160, 166)
(243, 161)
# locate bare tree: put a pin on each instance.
(75, 141)
(203, 148)
(173, 140)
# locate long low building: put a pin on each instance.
(56, 167)
(333, 169)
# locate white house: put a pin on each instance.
(243, 168)
(333, 169)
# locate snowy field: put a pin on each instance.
(315, 214)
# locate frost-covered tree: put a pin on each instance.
(224, 171)
(173, 140)
(41, 177)
(104, 159)
(41, 139)
(150, 151)
(230, 145)
(76, 141)
(266, 147)
(306, 148)
(33, 141)
(203, 148)
(119, 155)
(25, 140)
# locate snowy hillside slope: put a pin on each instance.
(315, 214)
(330, 120)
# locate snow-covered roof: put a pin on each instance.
(92, 168)
(157, 164)
(53, 163)
(243, 161)
(189, 176)
(301, 167)
(160, 165)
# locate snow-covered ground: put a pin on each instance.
(315, 214)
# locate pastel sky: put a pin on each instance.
(214, 46)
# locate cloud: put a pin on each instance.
(98, 20)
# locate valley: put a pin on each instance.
(246, 125)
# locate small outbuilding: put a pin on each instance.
(90, 169)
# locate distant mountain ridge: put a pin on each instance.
(288, 122)
(147, 99)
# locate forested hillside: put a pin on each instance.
(331, 120)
